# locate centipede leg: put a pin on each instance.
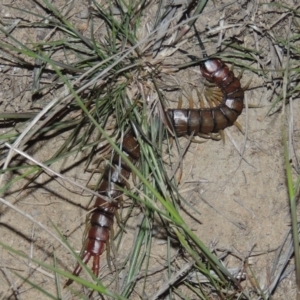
(246, 86)
(179, 105)
(213, 136)
(85, 259)
(239, 127)
(201, 100)
(96, 263)
(191, 102)
(240, 75)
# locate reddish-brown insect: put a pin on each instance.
(212, 120)
(101, 220)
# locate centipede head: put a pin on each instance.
(209, 67)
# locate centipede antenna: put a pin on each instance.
(200, 43)
(192, 57)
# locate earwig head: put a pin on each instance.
(209, 67)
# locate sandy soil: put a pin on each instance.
(238, 187)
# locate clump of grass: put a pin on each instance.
(107, 84)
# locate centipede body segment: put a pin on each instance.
(102, 217)
(211, 120)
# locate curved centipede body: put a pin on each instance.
(185, 122)
(102, 217)
(212, 120)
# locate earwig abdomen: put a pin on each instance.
(212, 120)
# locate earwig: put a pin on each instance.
(102, 217)
(211, 120)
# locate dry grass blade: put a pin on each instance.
(76, 80)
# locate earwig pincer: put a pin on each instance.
(102, 217)
(211, 120)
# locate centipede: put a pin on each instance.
(185, 122)
(199, 121)
(101, 219)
